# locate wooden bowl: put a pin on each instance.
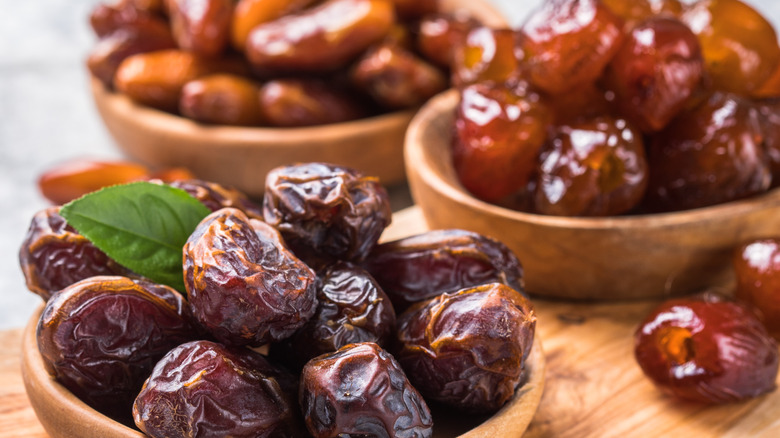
(65, 416)
(242, 156)
(632, 257)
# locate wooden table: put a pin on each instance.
(594, 387)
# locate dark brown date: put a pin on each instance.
(417, 268)
(567, 43)
(307, 102)
(53, 255)
(361, 391)
(321, 39)
(245, 287)
(769, 111)
(352, 308)
(216, 196)
(468, 348)
(707, 350)
(407, 9)
(201, 26)
(440, 34)
(222, 99)
(397, 78)
(326, 211)
(499, 132)
(591, 168)
(204, 389)
(708, 155)
(757, 268)
(101, 337)
(656, 71)
(107, 19)
(110, 51)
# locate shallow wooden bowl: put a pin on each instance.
(65, 416)
(242, 156)
(628, 257)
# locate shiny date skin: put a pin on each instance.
(351, 308)
(320, 39)
(100, 338)
(567, 43)
(107, 19)
(361, 391)
(397, 78)
(250, 13)
(439, 35)
(222, 99)
(420, 267)
(467, 349)
(591, 168)
(656, 71)
(707, 350)
(205, 389)
(326, 211)
(499, 131)
(245, 287)
(216, 196)
(488, 55)
(53, 255)
(293, 102)
(757, 268)
(708, 155)
(769, 115)
(201, 26)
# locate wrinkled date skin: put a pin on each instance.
(567, 43)
(156, 78)
(439, 35)
(320, 39)
(245, 287)
(468, 348)
(53, 255)
(592, 168)
(361, 391)
(709, 155)
(739, 45)
(757, 267)
(222, 99)
(487, 55)
(420, 267)
(706, 350)
(499, 132)
(352, 308)
(205, 389)
(397, 78)
(326, 211)
(201, 26)
(250, 13)
(295, 102)
(108, 54)
(101, 337)
(216, 196)
(656, 71)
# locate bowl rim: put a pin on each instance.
(415, 152)
(517, 413)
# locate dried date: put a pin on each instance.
(295, 102)
(101, 337)
(420, 267)
(216, 196)
(245, 287)
(361, 391)
(201, 26)
(204, 389)
(351, 308)
(53, 255)
(222, 99)
(440, 34)
(326, 211)
(468, 348)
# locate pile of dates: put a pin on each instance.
(356, 337)
(609, 107)
(282, 63)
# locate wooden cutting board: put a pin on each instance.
(594, 387)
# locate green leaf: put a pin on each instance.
(142, 226)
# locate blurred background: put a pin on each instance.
(47, 116)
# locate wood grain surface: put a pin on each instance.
(593, 389)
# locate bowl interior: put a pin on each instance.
(63, 415)
(629, 257)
